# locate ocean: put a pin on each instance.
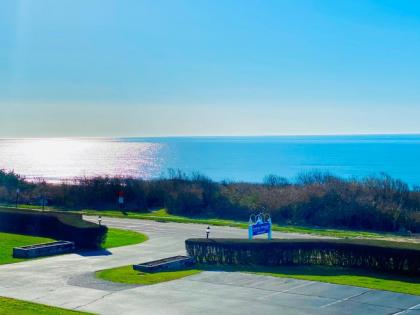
(220, 158)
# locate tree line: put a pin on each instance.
(313, 198)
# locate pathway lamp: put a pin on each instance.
(17, 196)
(43, 202)
(121, 199)
(99, 220)
(207, 232)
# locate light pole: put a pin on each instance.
(208, 232)
(99, 220)
(43, 202)
(121, 200)
(44, 184)
(17, 196)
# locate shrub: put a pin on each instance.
(57, 225)
(367, 254)
(314, 198)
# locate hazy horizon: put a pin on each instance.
(218, 136)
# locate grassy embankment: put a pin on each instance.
(118, 238)
(336, 275)
(115, 238)
(162, 215)
(346, 276)
(9, 240)
(12, 306)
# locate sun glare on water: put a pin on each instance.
(67, 158)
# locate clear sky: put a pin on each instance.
(155, 68)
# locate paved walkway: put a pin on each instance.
(68, 281)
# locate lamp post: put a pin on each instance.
(17, 196)
(121, 199)
(43, 201)
(207, 232)
(99, 220)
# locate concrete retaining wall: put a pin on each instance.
(171, 263)
(47, 249)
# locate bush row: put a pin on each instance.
(316, 198)
(61, 226)
(376, 255)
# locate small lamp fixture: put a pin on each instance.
(17, 196)
(208, 231)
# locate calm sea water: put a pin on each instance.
(231, 158)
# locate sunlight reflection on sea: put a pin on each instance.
(67, 158)
(220, 158)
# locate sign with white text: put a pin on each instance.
(259, 224)
(261, 228)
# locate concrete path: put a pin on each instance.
(68, 281)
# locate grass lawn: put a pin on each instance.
(12, 306)
(163, 216)
(336, 275)
(8, 241)
(127, 275)
(117, 238)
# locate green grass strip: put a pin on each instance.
(336, 275)
(163, 216)
(11, 306)
(9, 240)
(117, 238)
(127, 275)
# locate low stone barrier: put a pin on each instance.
(46, 249)
(367, 254)
(171, 263)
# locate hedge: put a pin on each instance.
(57, 225)
(368, 254)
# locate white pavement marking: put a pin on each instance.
(345, 299)
(407, 310)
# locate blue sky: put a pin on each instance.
(155, 68)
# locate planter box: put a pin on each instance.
(47, 249)
(171, 263)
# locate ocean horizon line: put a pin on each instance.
(214, 136)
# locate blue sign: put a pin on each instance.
(261, 228)
(259, 224)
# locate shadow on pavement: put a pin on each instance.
(96, 252)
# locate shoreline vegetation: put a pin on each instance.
(316, 202)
